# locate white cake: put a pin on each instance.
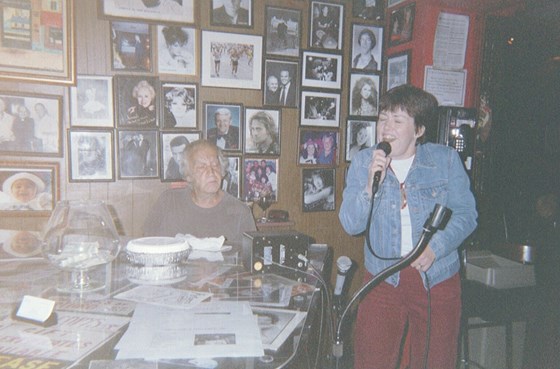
(157, 250)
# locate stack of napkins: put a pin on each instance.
(208, 248)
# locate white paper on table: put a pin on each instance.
(162, 333)
(166, 296)
(450, 41)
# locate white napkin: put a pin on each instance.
(204, 248)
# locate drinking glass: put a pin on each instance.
(264, 201)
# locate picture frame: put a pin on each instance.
(131, 49)
(326, 25)
(32, 124)
(360, 135)
(20, 245)
(177, 50)
(231, 182)
(363, 99)
(283, 32)
(91, 102)
(367, 46)
(398, 69)
(138, 154)
(318, 189)
(402, 24)
(227, 14)
(149, 11)
(321, 70)
(281, 74)
(90, 155)
(42, 181)
(172, 147)
(276, 325)
(321, 109)
(253, 183)
(392, 3)
(314, 151)
(262, 131)
(137, 101)
(235, 64)
(179, 102)
(224, 126)
(368, 10)
(27, 56)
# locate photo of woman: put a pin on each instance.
(366, 47)
(318, 190)
(176, 50)
(179, 105)
(360, 135)
(137, 103)
(364, 97)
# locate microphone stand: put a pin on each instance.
(432, 224)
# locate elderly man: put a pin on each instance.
(201, 209)
(224, 135)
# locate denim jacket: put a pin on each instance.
(436, 176)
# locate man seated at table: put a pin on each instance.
(201, 209)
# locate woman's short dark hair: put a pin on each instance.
(175, 35)
(371, 35)
(419, 104)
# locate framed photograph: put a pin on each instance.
(91, 102)
(360, 135)
(232, 13)
(260, 175)
(391, 3)
(262, 131)
(138, 154)
(283, 31)
(28, 188)
(398, 70)
(276, 325)
(132, 47)
(367, 43)
(90, 156)
(281, 84)
(37, 44)
(317, 147)
(231, 64)
(322, 70)
(326, 25)
(177, 53)
(150, 11)
(318, 189)
(179, 102)
(223, 125)
(172, 147)
(31, 124)
(230, 182)
(364, 95)
(321, 109)
(369, 9)
(402, 23)
(136, 101)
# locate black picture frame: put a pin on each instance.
(131, 49)
(318, 189)
(364, 57)
(149, 11)
(398, 69)
(132, 108)
(283, 32)
(402, 24)
(320, 109)
(91, 102)
(138, 152)
(321, 70)
(278, 71)
(177, 50)
(216, 114)
(326, 25)
(252, 180)
(91, 155)
(220, 16)
(172, 147)
(310, 147)
(369, 10)
(360, 135)
(364, 92)
(179, 106)
(231, 182)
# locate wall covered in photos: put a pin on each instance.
(284, 90)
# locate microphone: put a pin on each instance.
(343, 264)
(386, 147)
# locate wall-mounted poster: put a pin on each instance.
(364, 95)
(223, 125)
(137, 101)
(318, 190)
(138, 154)
(235, 64)
(260, 178)
(131, 47)
(37, 43)
(179, 105)
(262, 131)
(402, 23)
(326, 25)
(320, 109)
(283, 31)
(398, 69)
(177, 52)
(181, 11)
(91, 156)
(367, 43)
(91, 102)
(322, 70)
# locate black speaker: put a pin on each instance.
(263, 251)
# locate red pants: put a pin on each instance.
(385, 311)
